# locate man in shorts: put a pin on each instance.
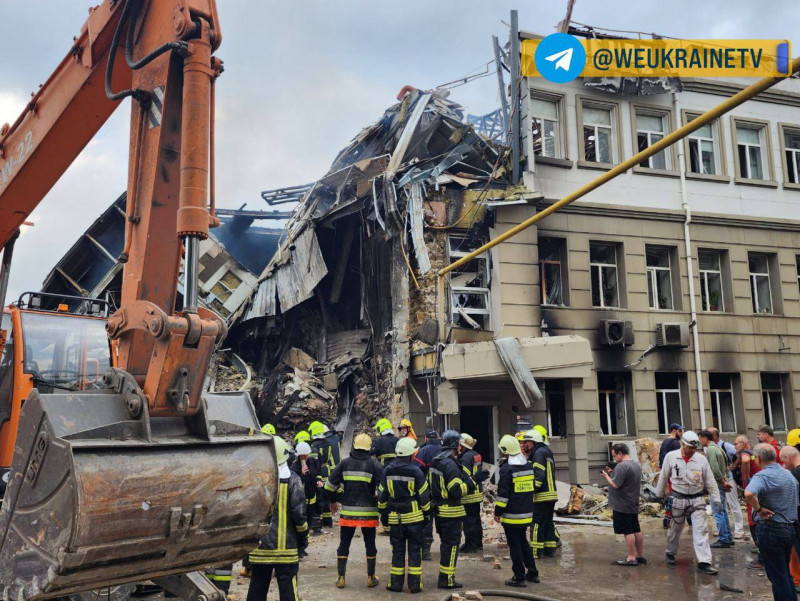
(624, 486)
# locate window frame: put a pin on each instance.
(671, 153)
(483, 291)
(782, 127)
(561, 104)
(652, 275)
(765, 406)
(766, 154)
(714, 394)
(661, 399)
(721, 177)
(562, 268)
(582, 102)
(616, 265)
(606, 405)
(704, 281)
(751, 277)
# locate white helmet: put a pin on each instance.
(303, 448)
(690, 439)
(533, 435)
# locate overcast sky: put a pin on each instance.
(302, 78)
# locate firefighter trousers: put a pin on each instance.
(221, 577)
(406, 539)
(520, 551)
(544, 537)
(285, 574)
(449, 530)
(473, 531)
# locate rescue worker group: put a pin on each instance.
(407, 489)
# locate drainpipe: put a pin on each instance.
(687, 240)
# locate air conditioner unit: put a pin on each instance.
(614, 332)
(674, 335)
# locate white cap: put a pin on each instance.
(303, 448)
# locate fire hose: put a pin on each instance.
(509, 595)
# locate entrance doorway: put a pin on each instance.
(477, 422)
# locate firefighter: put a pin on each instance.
(423, 459)
(514, 510)
(268, 429)
(471, 466)
(288, 532)
(406, 429)
(447, 489)
(404, 503)
(354, 483)
(544, 539)
(310, 472)
(326, 444)
(221, 577)
(383, 446)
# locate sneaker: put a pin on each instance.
(721, 545)
(670, 559)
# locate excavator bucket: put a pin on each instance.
(100, 496)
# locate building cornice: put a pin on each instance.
(727, 88)
(672, 215)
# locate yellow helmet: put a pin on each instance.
(543, 431)
(362, 442)
(509, 445)
(405, 447)
(268, 429)
(302, 436)
(382, 425)
(520, 435)
(316, 429)
(281, 450)
(793, 437)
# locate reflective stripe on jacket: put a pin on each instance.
(515, 489)
(288, 526)
(544, 473)
(403, 494)
(471, 465)
(447, 486)
(354, 483)
(383, 448)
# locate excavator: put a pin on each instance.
(118, 467)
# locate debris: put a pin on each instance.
(497, 565)
(488, 558)
(511, 355)
(574, 503)
(297, 359)
(473, 596)
(583, 522)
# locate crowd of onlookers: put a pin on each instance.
(696, 466)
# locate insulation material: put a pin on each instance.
(415, 211)
(511, 355)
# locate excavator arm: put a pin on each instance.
(149, 477)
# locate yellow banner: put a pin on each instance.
(674, 58)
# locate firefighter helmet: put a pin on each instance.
(405, 447)
(302, 436)
(303, 448)
(268, 429)
(533, 435)
(467, 440)
(316, 429)
(382, 425)
(362, 442)
(281, 450)
(543, 431)
(450, 440)
(509, 445)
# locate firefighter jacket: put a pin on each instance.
(354, 483)
(426, 453)
(448, 486)
(383, 448)
(515, 489)
(310, 479)
(288, 528)
(471, 464)
(544, 473)
(403, 494)
(328, 452)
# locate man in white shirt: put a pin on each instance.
(690, 477)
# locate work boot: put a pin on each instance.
(341, 569)
(670, 559)
(396, 582)
(533, 577)
(448, 582)
(327, 522)
(426, 552)
(372, 580)
(516, 582)
(706, 568)
(466, 549)
(414, 581)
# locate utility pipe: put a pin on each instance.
(687, 240)
(707, 117)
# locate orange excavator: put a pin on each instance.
(119, 468)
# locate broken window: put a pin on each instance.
(759, 282)
(613, 410)
(599, 145)
(546, 128)
(722, 408)
(668, 401)
(772, 397)
(603, 263)
(711, 280)
(659, 277)
(703, 154)
(650, 128)
(750, 145)
(556, 407)
(469, 284)
(550, 253)
(791, 145)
